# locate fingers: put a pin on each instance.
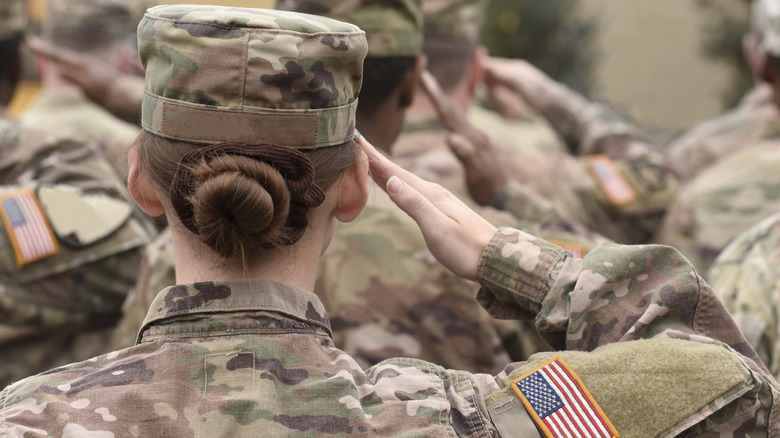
(461, 147)
(382, 168)
(412, 202)
(42, 48)
(448, 114)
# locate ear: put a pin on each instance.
(353, 193)
(141, 188)
(408, 88)
(476, 72)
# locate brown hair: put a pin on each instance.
(241, 205)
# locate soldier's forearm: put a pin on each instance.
(616, 293)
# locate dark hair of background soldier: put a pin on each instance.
(9, 50)
(448, 58)
(241, 205)
(381, 77)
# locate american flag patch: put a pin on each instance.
(559, 403)
(612, 182)
(27, 227)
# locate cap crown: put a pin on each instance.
(218, 74)
(393, 27)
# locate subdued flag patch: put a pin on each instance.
(557, 400)
(27, 227)
(612, 182)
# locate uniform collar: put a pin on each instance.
(255, 294)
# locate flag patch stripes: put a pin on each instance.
(560, 404)
(27, 227)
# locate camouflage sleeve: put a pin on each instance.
(746, 276)
(616, 293)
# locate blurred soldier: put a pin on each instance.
(120, 94)
(746, 125)
(618, 188)
(101, 29)
(242, 346)
(68, 255)
(746, 276)
(740, 189)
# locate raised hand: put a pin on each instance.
(455, 234)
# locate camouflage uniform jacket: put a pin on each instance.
(74, 111)
(616, 181)
(746, 276)
(60, 309)
(722, 201)
(249, 357)
(715, 139)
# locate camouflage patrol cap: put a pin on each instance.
(12, 18)
(458, 19)
(393, 27)
(222, 74)
(84, 23)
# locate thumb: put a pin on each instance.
(460, 146)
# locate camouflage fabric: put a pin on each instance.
(422, 149)
(157, 272)
(459, 19)
(722, 201)
(393, 28)
(266, 361)
(308, 74)
(85, 23)
(72, 110)
(715, 139)
(615, 181)
(61, 309)
(746, 276)
(12, 18)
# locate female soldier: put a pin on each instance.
(248, 150)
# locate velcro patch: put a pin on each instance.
(560, 405)
(611, 181)
(28, 227)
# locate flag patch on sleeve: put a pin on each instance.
(612, 182)
(560, 405)
(27, 227)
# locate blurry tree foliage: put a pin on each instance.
(549, 33)
(725, 23)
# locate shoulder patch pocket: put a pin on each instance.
(81, 219)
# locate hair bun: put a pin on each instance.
(237, 202)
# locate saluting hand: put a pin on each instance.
(454, 233)
(485, 175)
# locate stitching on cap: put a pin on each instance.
(355, 32)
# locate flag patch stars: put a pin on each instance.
(559, 403)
